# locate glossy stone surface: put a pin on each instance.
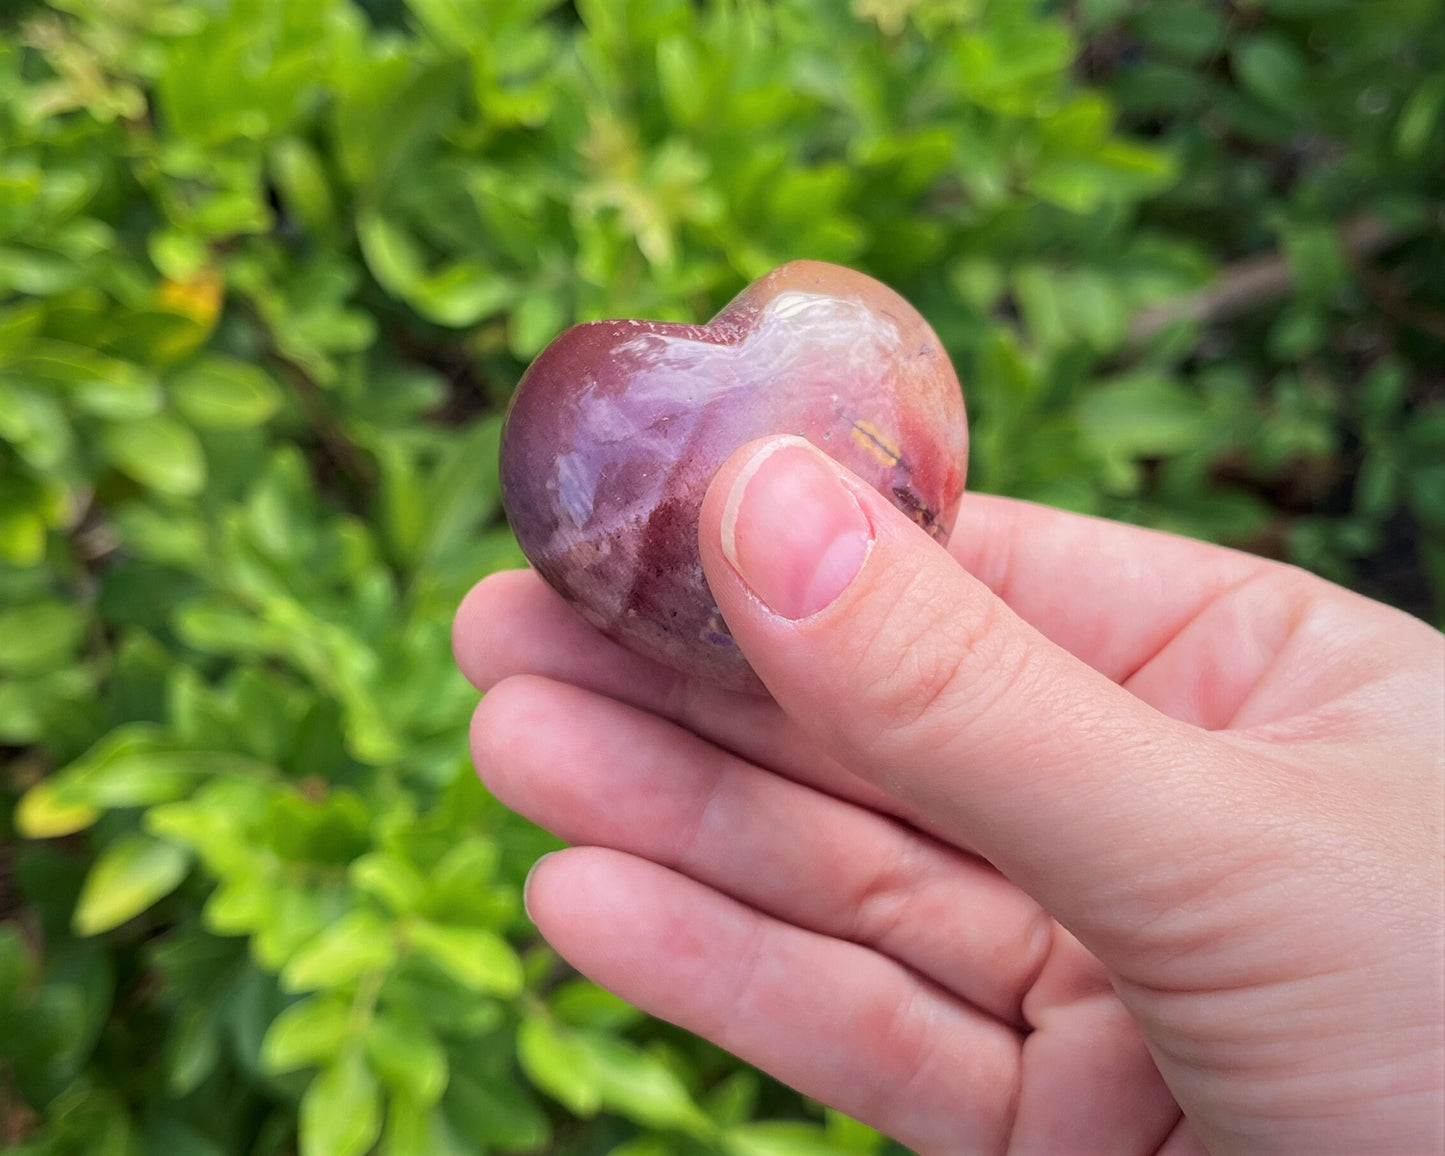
(618, 427)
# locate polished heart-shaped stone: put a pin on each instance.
(617, 428)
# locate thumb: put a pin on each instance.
(914, 675)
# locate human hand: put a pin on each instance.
(1077, 838)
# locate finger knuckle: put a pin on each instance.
(907, 1041)
(882, 902)
(937, 664)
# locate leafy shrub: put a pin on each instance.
(1314, 129)
(268, 271)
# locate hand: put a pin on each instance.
(1077, 838)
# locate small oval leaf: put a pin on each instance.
(222, 393)
(158, 452)
(130, 875)
(341, 1110)
(479, 960)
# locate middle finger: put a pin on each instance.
(596, 771)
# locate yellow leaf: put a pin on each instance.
(40, 815)
(199, 297)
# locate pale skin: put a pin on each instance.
(1070, 838)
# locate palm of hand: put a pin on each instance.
(738, 880)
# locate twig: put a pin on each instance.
(1394, 301)
(1257, 281)
(349, 459)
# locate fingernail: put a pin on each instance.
(792, 530)
(527, 884)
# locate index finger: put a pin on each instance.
(1111, 594)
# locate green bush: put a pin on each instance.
(268, 272)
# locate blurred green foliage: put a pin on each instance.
(268, 271)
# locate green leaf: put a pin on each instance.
(242, 903)
(460, 295)
(293, 919)
(1383, 392)
(392, 254)
(158, 452)
(144, 778)
(309, 1032)
(329, 830)
(1189, 32)
(341, 1110)
(192, 1050)
(34, 706)
(222, 393)
(643, 1088)
(496, 1111)
(101, 386)
(734, 1099)
(1095, 14)
(164, 1133)
(1039, 295)
(537, 318)
(36, 424)
(1272, 69)
(38, 636)
(467, 864)
(22, 534)
(393, 110)
(1425, 490)
(848, 1133)
(1377, 486)
(17, 968)
(128, 877)
(1117, 171)
(302, 181)
(215, 624)
(978, 281)
(479, 960)
(780, 1138)
(179, 255)
(583, 1004)
(1301, 9)
(457, 24)
(647, 1145)
(1095, 309)
(389, 878)
(418, 1130)
(678, 69)
(559, 1065)
(408, 1057)
(588, 1070)
(36, 272)
(1298, 331)
(354, 945)
(166, 536)
(132, 766)
(1316, 258)
(1422, 120)
(1143, 415)
(95, 1118)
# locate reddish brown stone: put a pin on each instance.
(618, 427)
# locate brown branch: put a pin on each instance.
(1395, 302)
(1254, 282)
(353, 464)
